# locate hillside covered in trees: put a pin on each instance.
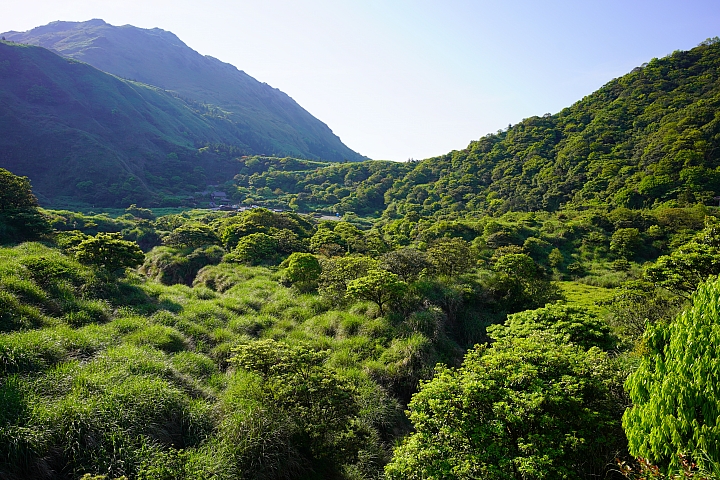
(648, 138)
(541, 305)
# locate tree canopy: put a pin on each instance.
(523, 408)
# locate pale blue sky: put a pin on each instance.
(397, 78)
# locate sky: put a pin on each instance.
(400, 79)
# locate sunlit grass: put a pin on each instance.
(587, 296)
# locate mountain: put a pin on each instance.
(88, 136)
(268, 120)
(84, 135)
(648, 138)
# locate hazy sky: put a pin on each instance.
(397, 79)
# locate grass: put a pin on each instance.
(134, 378)
(587, 296)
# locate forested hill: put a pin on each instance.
(268, 121)
(649, 136)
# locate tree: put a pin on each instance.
(676, 402)
(138, 212)
(451, 256)
(20, 219)
(555, 258)
(254, 249)
(523, 408)
(15, 192)
(624, 242)
(571, 324)
(521, 283)
(337, 272)
(109, 252)
(350, 237)
(378, 286)
(302, 271)
(324, 237)
(408, 263)
(191, 235)
(689, 265)
(316, 406)
(637, 303)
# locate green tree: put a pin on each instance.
(324, 237)
(685, 268)
(637, 303)
(676, 401)
(571, 324)
(351, 238)
(378, 286)
(138, 212)
(339, 271)
(624, 242)
(407, 263)
(521, 283)
(555, 258)
(191, 235)
(254, 249)
(317, 406)
(302, 270)
(451, 256)
(109, 252)
(20, 219)
(15, 192)
(524, 408)
(690, 264)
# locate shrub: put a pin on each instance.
(675, 404)
(523, 408)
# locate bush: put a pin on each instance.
(487, 420)
(674, 390)
(172, 266)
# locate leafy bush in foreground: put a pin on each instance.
(523, 408)
(675, 389)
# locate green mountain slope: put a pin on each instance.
(81, 133)
(650, 137)
(268, 120)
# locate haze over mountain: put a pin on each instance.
(160, 58)
(64, 121)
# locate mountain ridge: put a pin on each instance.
(80, 133)
(160, 58)
(650, 138)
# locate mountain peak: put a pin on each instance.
(274, 122)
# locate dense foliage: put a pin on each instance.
(675, 389)
(530, 408)
(272, 344)
(643, 139)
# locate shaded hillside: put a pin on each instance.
(81, 133)
(267, 120)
